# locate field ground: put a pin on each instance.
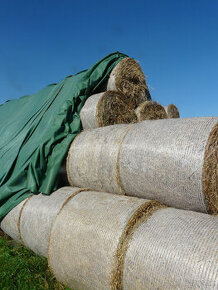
(21, 269)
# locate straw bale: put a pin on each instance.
(173, 161)
(107, 108)
(173, 249)
(85, 238)
(38, 215)
(150, 110)
(172, 111)
(128, 78)
(164, 160)
(95, 155)
(10, 223)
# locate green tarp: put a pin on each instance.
(37, 130)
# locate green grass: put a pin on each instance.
(21, 269)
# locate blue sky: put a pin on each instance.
(176, 43)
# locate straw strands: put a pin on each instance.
(128, 78)
(150, 110)
(172, 111)
(108, 108)
(172, 161)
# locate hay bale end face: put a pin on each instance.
(173, 249)
(89, 237)
(150, 110)
(104, 109)
(162, 160)
(128, 78)
(172, 111)
(38, 215)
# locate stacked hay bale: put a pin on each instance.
(104, 109)
(173, 161)
(37, 217)
(172, 111)
(150, 110)
(11, 222)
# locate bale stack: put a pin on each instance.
(173, 161)
(127, 99)
(105, 241)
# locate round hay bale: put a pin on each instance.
(150, 110)
(176, 162)
(173, 161)
(128, 78)
(104, 109)
(89, 235)
(173, 249)
(38, 215)
(95, 156)
(172, 111)
(10, 223)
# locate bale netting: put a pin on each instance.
(90, 235)
(10, 223)
(173, 161)
(38, 215)
(128, 78)
(104, 109)
(150, 110)
(172, 111)
(93, 156)
(173, 249)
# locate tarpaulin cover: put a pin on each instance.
(37, 130)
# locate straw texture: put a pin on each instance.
(10, 223)
(150, 110)
(95, 158)
(85, 237)
(38, 215)
(128, 78)
(104, 109)
(161, 160)
(173, 249)
(172, 111)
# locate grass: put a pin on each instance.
(21, 269)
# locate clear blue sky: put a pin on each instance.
(176, 43)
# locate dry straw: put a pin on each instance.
(173, 161)
(128, 78)
(108, 108)
(173, 249)
(10, 223)
(150, 110)
(90, 236)
(172, 111)
(38, 215)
